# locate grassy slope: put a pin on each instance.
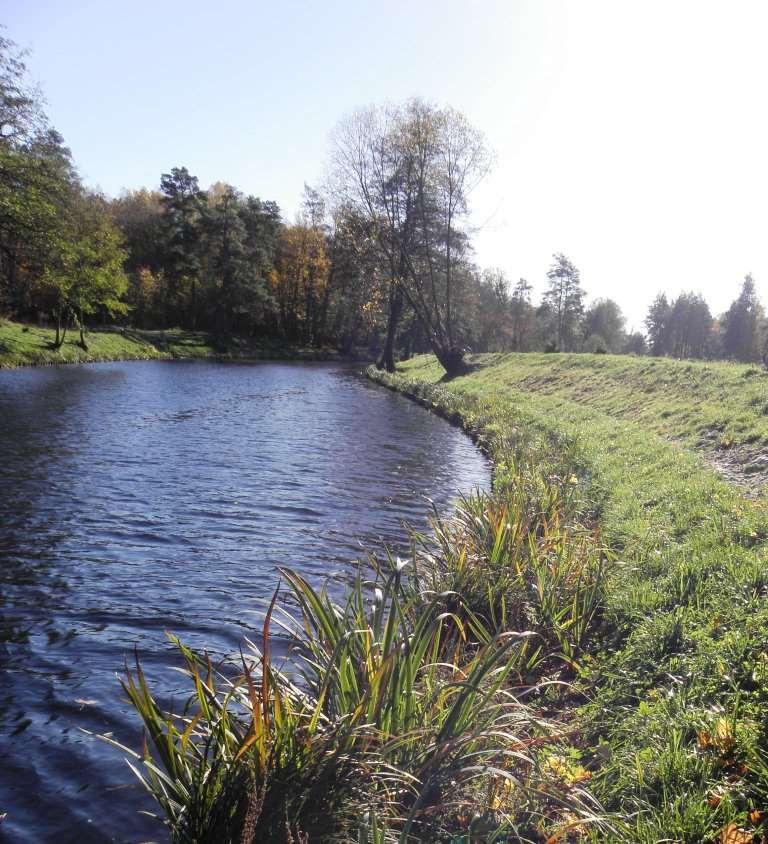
(674, 729)
(702, 403)
(28, 345)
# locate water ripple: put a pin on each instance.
(146, 497)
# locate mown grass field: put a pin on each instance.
(27, 345)
(670, 708)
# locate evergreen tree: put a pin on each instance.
(564, 303)
(183, 204)
(237, 261)
(657, 324)
(740, 325)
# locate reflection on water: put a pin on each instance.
(140, 498)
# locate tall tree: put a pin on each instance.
(740, 325)
(658, 327)
(21, 112)
(300, 280)
(564, 302)
(37, 181)
(224, 235)
(410, 171)
(355, 282)
(139, 216)
(523, 316)
(183, 204)
(690, 327)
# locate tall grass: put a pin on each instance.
(415, 708)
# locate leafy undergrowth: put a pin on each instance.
(672, 727)
(24, 345)
(429, 705)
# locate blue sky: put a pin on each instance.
(631, 136)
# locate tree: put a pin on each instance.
(409, 170)
(139, 216)
(523, 316)
(223, 235)
(563, 302)
(356, 288)
(491, 328)
(657, 324)
(36, 183)
(604, 323)
(21, 112)
(740, 325)
(635, 344)
(690, 326)
(183, 204)
(301, 279)
(86, 272)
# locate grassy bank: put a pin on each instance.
(580, 655)
(26, 345)
(672, 726)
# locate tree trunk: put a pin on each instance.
(387, 358)
(451, 359)
(80, 325)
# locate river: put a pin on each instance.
(139, 498)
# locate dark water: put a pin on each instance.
(144, 497)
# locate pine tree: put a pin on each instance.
(183, 204)
(741, 324)
(564, 301)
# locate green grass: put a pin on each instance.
(27, 345)
(712, 404)
(672, 725)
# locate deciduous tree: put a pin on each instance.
(410, 171)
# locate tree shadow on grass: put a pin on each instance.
(467, 369)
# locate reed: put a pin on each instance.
(411, 710)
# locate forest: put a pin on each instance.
(379, 257)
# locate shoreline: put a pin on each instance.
(31, 346)
(682, 547)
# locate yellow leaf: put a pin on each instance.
(733, 834)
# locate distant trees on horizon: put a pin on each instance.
(380, 259)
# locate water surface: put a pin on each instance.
(137, 498)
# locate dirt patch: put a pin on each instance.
(742, 467)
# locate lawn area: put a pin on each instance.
(22, 345)
(25, 345)
(668, 714)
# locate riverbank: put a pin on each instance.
(27, 345)
(667, 717)
(580, 655)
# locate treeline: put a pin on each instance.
(380, 259)
(681, 327)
